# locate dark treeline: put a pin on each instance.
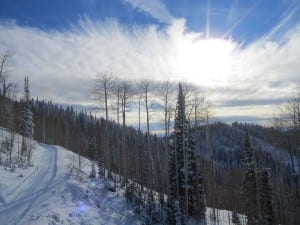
(89, 136)
(85, 134)
(271, 151)
(245, 168)
(92, 137)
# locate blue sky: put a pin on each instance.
(244, 54)
(244, 21)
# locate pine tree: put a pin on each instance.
(137, 200)
(181, 144)
(235, 218)
(151, 214)
(249, 191)
(265, 198)
(199, 199)
(177, 215)
(129, 192)
(101, 169)
(176, 159)
(26, 123)
(197, 202)
(93, 172)
(185, 180)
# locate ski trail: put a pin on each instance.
(14, 211)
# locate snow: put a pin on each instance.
(224, 217)
(50, 192)
(54, 191)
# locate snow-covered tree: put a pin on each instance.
(265, 198)
(93, 172)
(177, 217)
(26, 123)
(176, 160)
(198, 198)
(249, 184)
(151, 214)
(235, 218)
(185, 179)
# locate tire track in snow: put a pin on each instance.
(13, 212)
(32, 174)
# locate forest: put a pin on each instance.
(191, 163)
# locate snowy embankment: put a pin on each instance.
(50, 192)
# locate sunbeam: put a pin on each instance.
(241, 19)
(207, 29)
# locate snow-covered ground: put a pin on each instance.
(50, 192)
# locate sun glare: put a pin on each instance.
(206, 62)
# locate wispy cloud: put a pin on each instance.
(155, 8)
(233, 12)
(251, 102)
(239, 20)
(60, 64)
(207, 26)
(283, 25)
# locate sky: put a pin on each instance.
(243, 54)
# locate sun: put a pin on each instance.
(207, 61)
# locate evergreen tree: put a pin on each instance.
(265, 198)
(93, 172)
(235, 218)
(249, 191)
(176, 159)
(151, 214)
(177, 215)
(129, 192)
(26, 123)
(185, 179)
(101, 169)
(198, 197)
(197, 203)
(137, 200)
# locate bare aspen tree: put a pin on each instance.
(293, 112)
(4, 65)
(145, 86)
(4, 59)
(139, 154)
(289, 118)
(7, 111)
(117, 89)
(102, 93)
(167, 92)
(126, 94)
(11, 124)
(196, 104)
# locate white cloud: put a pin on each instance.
(267, 63)
(155, 8)
(60, 64)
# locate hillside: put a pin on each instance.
(54, 191)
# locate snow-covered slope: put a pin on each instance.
(50, 192)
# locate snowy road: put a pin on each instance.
(33, 190)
